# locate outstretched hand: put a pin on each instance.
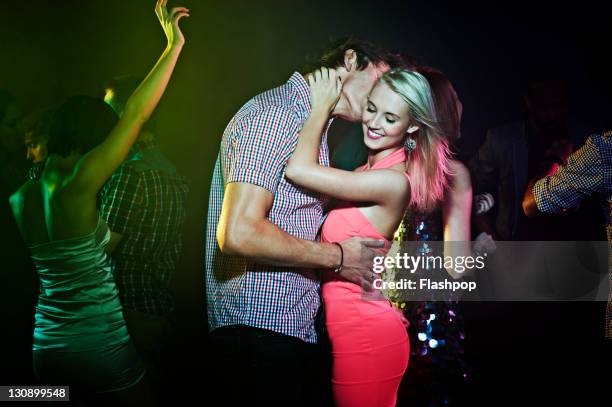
(325, 87)
(169, 22)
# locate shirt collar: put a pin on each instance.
(141, 145)
(299, 92)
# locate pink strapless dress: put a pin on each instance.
(370, 345)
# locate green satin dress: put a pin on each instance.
(80, 336)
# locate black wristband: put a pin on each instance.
(339, 268)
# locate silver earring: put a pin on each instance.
(409, 144)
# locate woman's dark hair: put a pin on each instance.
(445, 100)
(80, 124)
(333, 55)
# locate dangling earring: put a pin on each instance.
(409, 144)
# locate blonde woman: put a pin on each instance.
(408, 163)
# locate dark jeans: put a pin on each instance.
(149, 334)
(252, 366)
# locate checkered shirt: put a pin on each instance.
(588, 171)
(144, 201)
(255, 148)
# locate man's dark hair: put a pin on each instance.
(119, 90)
(333, 55)
(80, 124)
(38, 124)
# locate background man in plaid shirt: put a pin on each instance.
(261, 254)
(570, 179)
(143, 204)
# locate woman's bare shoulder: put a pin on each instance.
(25, 193)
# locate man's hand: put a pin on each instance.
(483, 203)
(359, 256)
(484, 243)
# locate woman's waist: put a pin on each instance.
(88, 316)
(55, 253)
(76, 277)
(335, 286)
(70, 331)
(72, 286)
(349, 299)
(78, 341)
(64, 310)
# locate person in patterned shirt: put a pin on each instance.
(261, 251)
(569, 179)
(144, 205)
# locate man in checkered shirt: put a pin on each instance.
(143, 204)
(572, 178)
(262, 251)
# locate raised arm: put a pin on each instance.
(304, 170)
(96, 166)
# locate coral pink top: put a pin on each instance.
(370, 345)
(346, 220)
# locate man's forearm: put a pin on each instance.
(530, 206)
(266, 243)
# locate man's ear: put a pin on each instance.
(412, 129)
(350, 60)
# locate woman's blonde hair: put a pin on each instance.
(428, 164)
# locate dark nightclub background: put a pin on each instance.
(235, 49)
